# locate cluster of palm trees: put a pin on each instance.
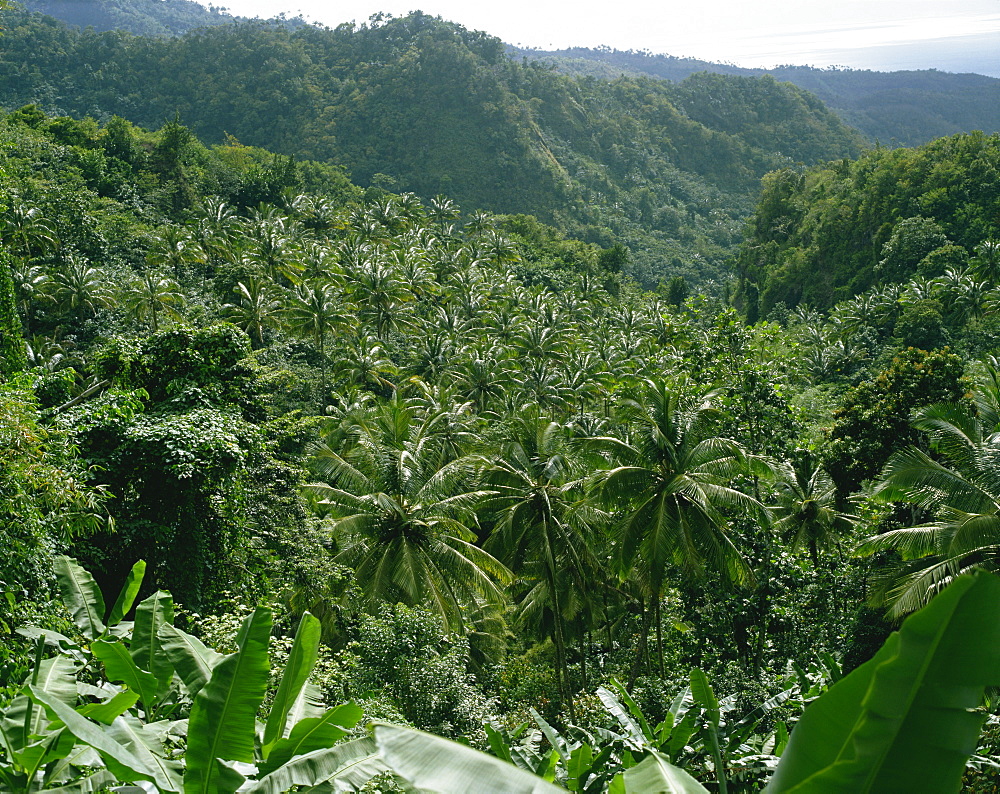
(572, 531)
(493, 445)
(954, 487)
(844, 339)
(56, 281)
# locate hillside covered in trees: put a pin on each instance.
(455, 470)
(892, 108)
(419, 105)
(896, 108)
(141, 17)
(829, 233)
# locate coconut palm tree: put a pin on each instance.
(315, 309)
(366, 364)
(257, 306)
(31, 286)
(543, 527)
(152, 295)
(26, 231)
(806, 513)
(79, 288)
(670, 480)
(402, 520)
(175, 247)
(381, 295)
(959, 490)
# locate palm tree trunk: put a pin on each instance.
(640, 651)
(763, 614)
(659, 637)
(562, 677)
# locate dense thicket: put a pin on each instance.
(417, 104)
(825, 234)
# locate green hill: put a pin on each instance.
(907, 108)
(418, 104)
(142, 17)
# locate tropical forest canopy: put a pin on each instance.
(142, 17)
(416, 104)
(304, 435)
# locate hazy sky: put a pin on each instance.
(952, 35)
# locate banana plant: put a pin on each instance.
(41, 748)
(907, 720)
(162, 686)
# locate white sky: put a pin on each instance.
(952, 35)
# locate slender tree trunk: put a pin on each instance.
(764, 615)
(560, 639)
(640, 652)
(659, 636)
(764, 611)
(322, 358)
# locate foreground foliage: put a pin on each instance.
(168, 710)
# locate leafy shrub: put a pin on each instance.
(404, 654)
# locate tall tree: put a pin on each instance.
(806, 512)
(670, 479)
(12, 355)
(151, 296)
(958, 490)
(401, 519)
(542, 525)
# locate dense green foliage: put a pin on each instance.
(826, 234)
(420, 105)
(142, 17)
(905, 108)
(500, 475)
(61, 732)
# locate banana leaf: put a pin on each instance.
(908, 719)
(223, 717)
(432, 764)
(81, 595)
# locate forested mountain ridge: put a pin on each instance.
(905, 108)
(418, 104)
(142, 17)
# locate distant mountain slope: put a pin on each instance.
(418, 104)
(907, 108)
(142, 17)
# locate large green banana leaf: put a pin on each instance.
(301, 659)
(122, 762)
(655, 775)
(908, 719)
(223, 717)
(351, 763)
(81, 595)
(118, 666)
(432, 764)
(193, 660)
(128, 593)
(147, 647)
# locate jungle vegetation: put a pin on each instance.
(336, 454)
(416, 104)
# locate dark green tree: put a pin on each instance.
(874, 420)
